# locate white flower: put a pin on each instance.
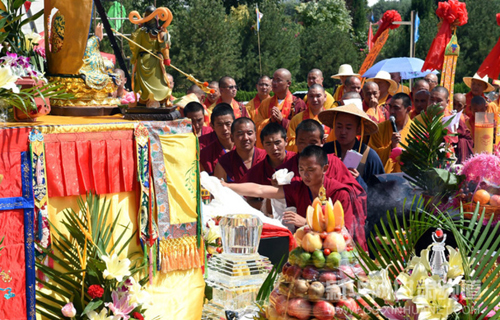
(103, 315)
(379, 285)
(455, 264)
(411, 285)
(116, 268)
(8, 80)
(423, 259)
(435, 302)
(138, 295)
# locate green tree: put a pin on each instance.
(326, 48)
(331, 11)
(279, 43)
(425, 8)
(205, 43)
(359, 9)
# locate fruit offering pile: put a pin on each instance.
(316, 281)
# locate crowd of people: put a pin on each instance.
(339, 142)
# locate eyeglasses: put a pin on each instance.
(230, 87)
(430, 81)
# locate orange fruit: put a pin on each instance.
(481, 196)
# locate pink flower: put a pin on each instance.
(68, 310)
(395, 153)
(120, 306)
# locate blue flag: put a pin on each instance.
(417, 23)
(259, 16)
(372, 18)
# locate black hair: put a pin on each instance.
(315, 151)
(309, 125)
(272, 128)
(404, 97)
(241, 121)
(221, 109)
(193, 107)
(442, 89)
(478, 100)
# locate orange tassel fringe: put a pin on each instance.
(180, 254)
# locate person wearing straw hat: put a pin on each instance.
(348, 122)
(345, 71)
(478, 86)
(316, 104)
(385, 85)
(315, 76)
(385, 140)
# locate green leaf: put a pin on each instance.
(92, 306)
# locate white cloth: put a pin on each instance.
(283, 177)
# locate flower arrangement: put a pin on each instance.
(212, 236)
(451, 283)
(93, 282)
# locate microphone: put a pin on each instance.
(393, 122)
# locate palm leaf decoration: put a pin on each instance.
(425, 156)
(479, 246)
(77, 257)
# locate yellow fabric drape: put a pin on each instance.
(180, 168)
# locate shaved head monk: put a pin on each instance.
(263, 90)
(228, 90)
(282, 106)
(386, 139)
(200, 94)
(315, 76)
(352, 84)
(313, 164)
(221, 120)
(421, 101)
(375, 110)
(211, 98)
(432, 80)
(194, 111)
(235, 164)
(459, 102)
(315, 104)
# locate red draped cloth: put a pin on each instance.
(491, 65)
(207, 137)
(234, 166)
(210, 155)
(451, 14)
(103, 162)
(338, 171)
(387, 20)
(262, 173)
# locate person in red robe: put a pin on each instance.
(274, 139)
(313, 164)
(236, 163)
(221, 120)
(194, 111)
(211, 98)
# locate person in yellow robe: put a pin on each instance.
(316, 104)
(281, 107)
(354, 98)
(345, 71)
(386, 139)
(315, 76)
(385, 86)
(396, 77)
(263, 90)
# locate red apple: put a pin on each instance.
(324, 310)
(348, 303)
(285, 267)
(346, 271)
(310, 273)
(328, 277)
(280, 304)
(293, 272)
(299, 308)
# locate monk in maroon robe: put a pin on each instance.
(205, 134)
(235, 164)
(313, 164)
(221, 120)
(274, 139)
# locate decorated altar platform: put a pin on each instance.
(48, 164)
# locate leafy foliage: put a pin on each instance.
(12, 20)
(425, 157)
(77, 255)
(333, 12)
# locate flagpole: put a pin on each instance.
(258, 37)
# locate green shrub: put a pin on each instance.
(461, 88)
